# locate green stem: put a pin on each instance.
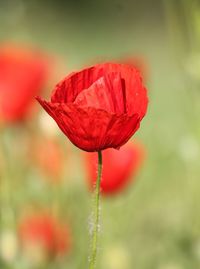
(92, 261)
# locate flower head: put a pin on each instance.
(43, 230)
(23, 73)
(99, 107)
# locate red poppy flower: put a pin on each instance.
(46, 231)
(119, 168)
(99, 107)
(23, 74)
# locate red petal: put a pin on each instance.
(91, 129)
(67, 90)
(136, 97)
(107, 93)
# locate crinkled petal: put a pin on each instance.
(67, 90)
(135, 93)
(92, 129)
(107, 93)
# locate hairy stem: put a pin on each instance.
(95, 231)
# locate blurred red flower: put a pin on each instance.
(99, 107)
(23, 73)
(119, 168)
(48, 156)
(46, 231)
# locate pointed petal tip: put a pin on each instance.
(38, 98)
